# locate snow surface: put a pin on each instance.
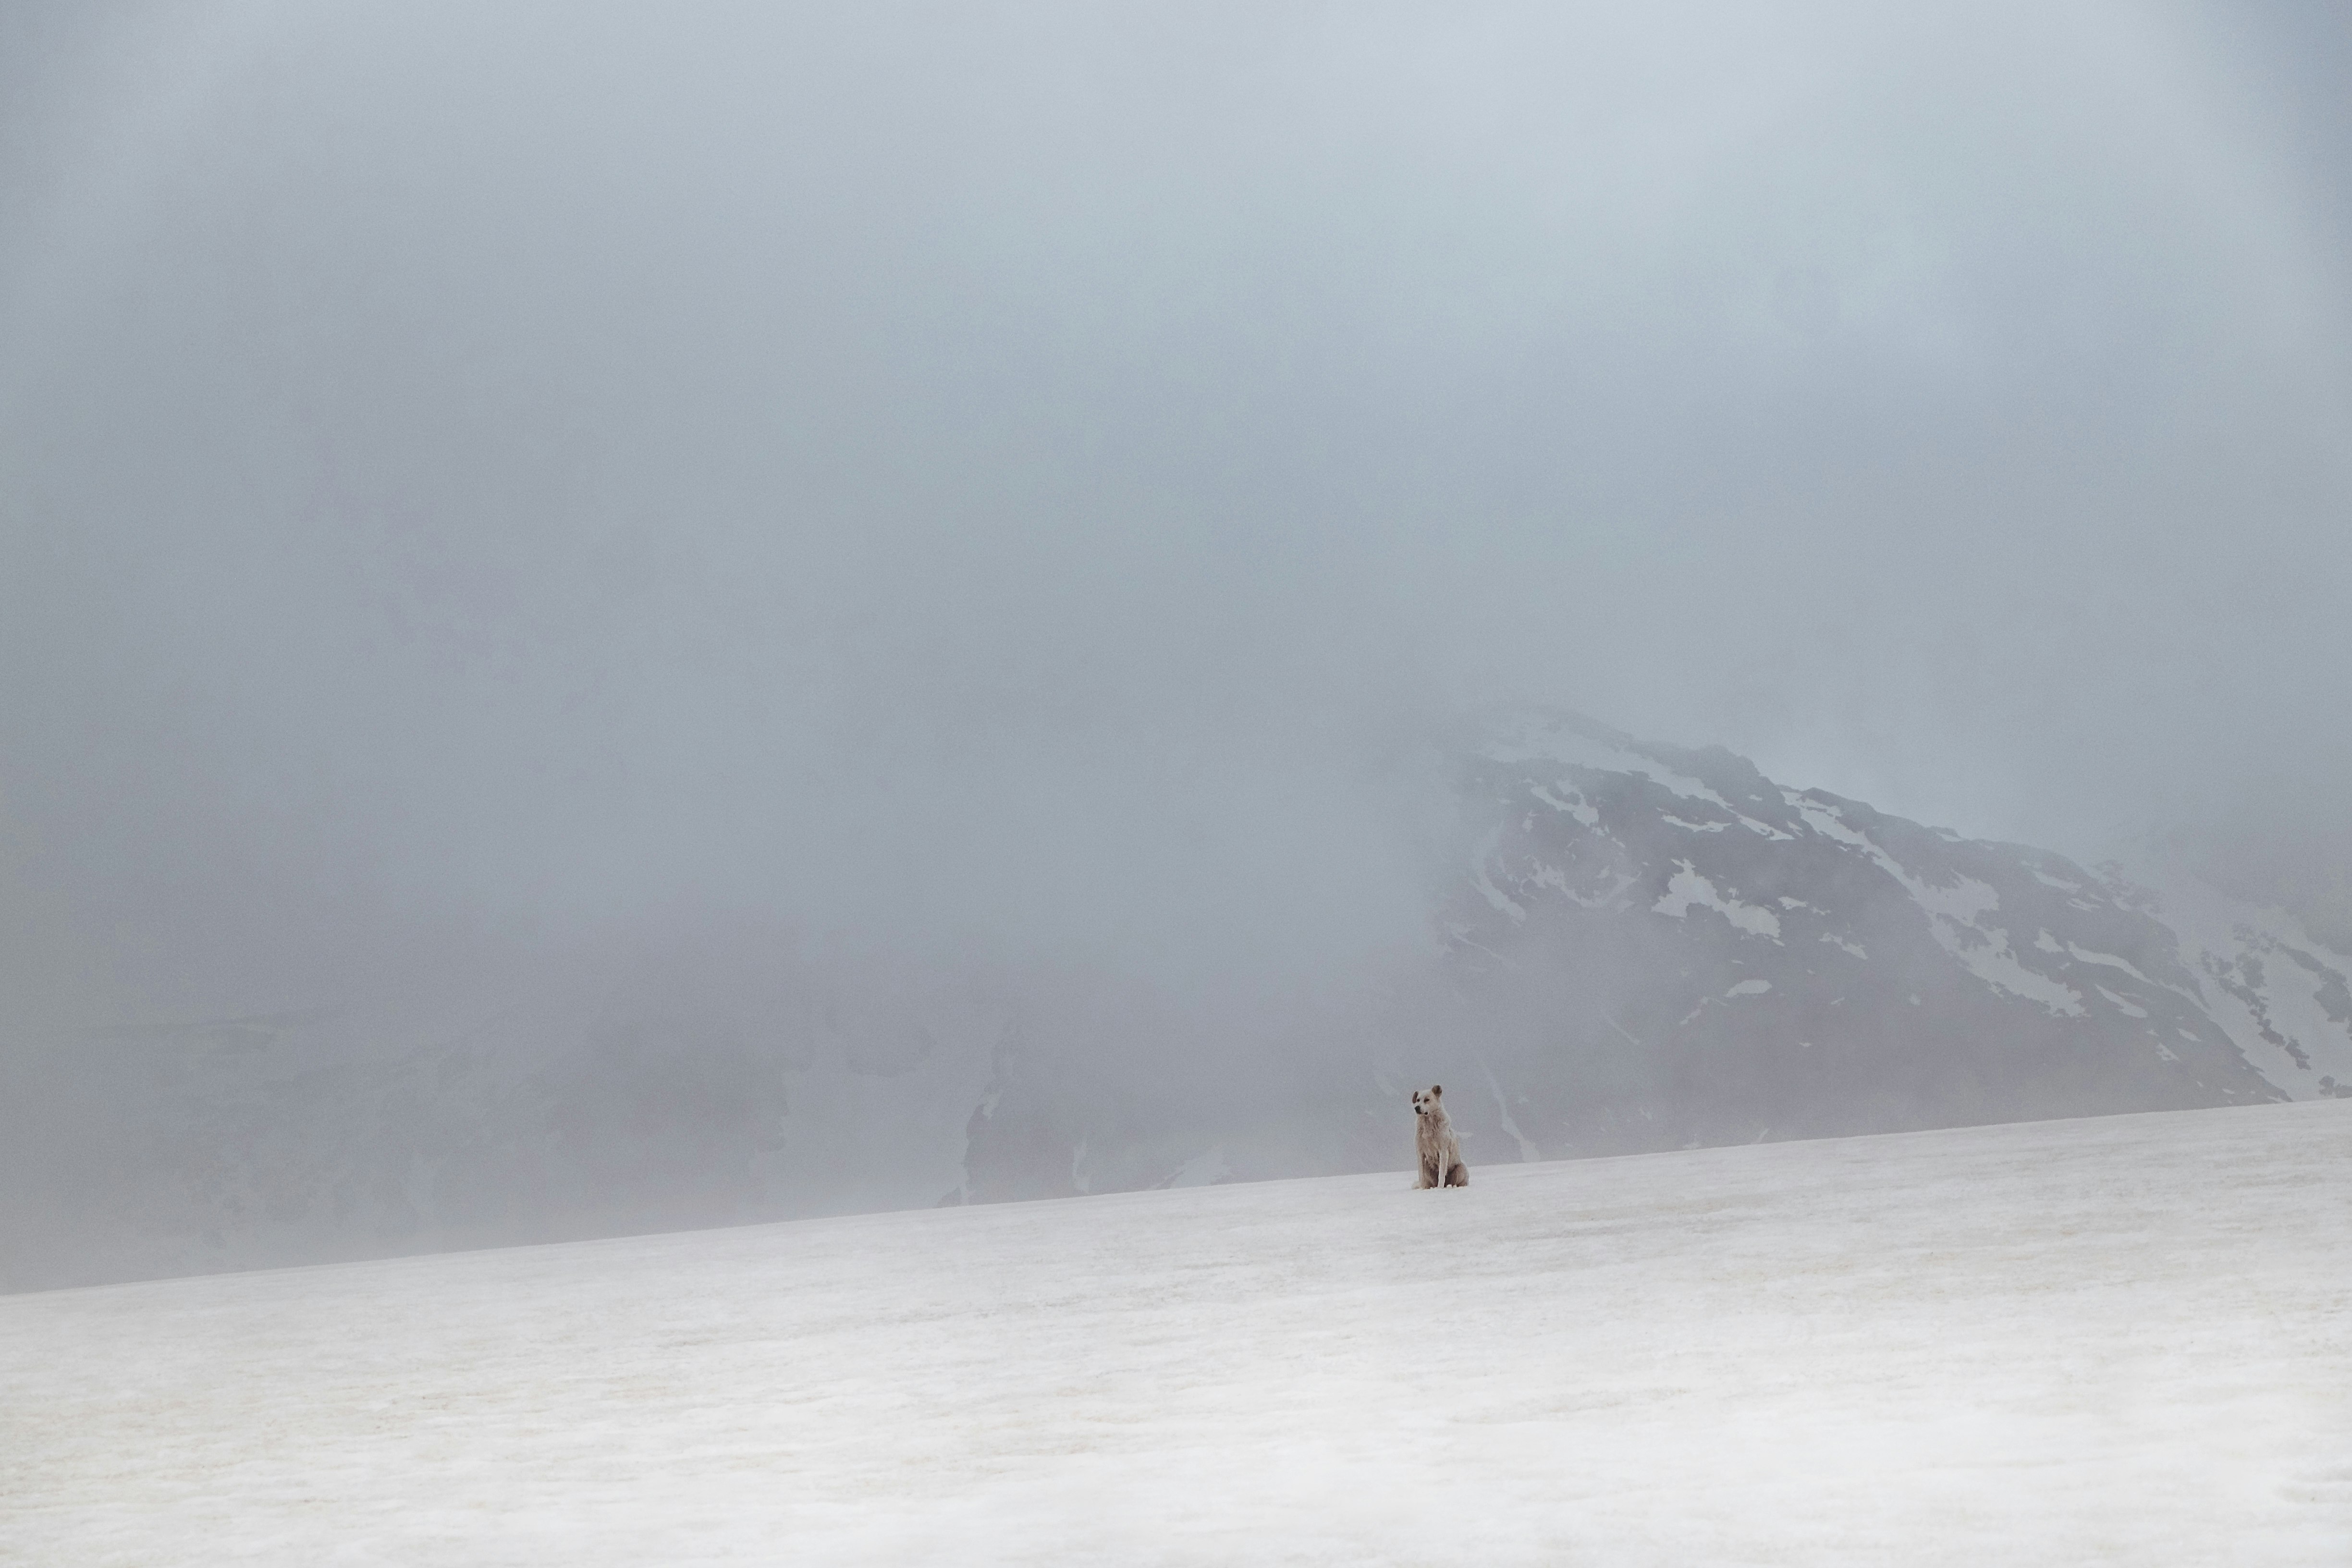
(2121, 1341)
(1689, 889)
(1577, 807)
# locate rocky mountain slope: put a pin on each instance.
(1641, 947)
(1723, 957)
(1650, 947)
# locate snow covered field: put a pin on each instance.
(2127, 1340)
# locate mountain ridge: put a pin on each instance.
(1635, 947)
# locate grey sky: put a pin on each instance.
(1033, 470)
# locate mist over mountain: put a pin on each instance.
(616, 617)
(1634, 947)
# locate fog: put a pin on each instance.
(476, 486)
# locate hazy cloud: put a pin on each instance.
(1033, 471)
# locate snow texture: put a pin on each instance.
(2115, 1340)
(1687, 889)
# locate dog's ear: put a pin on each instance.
(1435, 1090)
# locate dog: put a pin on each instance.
(1439, 1146)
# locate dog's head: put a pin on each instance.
(1426, 1101)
